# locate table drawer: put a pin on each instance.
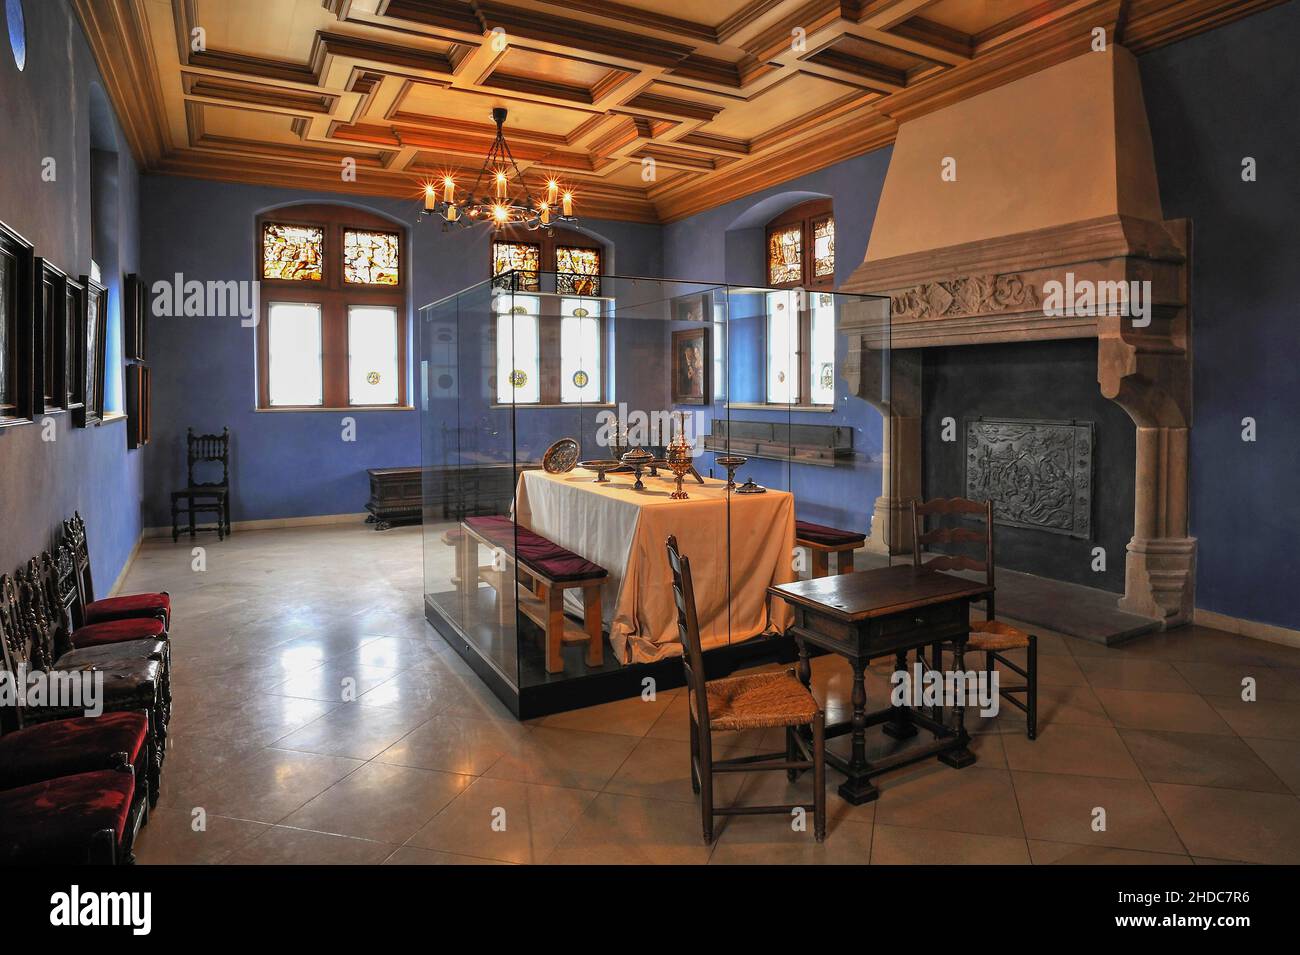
(941, 621)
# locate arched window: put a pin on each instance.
(800, 248)
(333, 327)
(551, 348)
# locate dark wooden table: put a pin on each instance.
(876, 613)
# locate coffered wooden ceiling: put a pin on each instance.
(726, 96)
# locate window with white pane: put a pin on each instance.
(372, 355)
(782, 347)
(293, 335)
(580, 351)
(822, 349)
(518, 347)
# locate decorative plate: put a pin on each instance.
(749, 487)
(372, 378)
(580, 379)
(518, 378)
(561, 456)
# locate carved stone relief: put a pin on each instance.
(967, 295)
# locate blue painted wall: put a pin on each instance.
(1213, 100)
(45, 111)
(294, 463)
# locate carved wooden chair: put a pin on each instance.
(90, 612)
(133, 671)
(72, 791)
(202, 451)
(749, 701)
(990, 635)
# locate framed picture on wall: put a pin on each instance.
(68, 349)
(135, 301)
(51, 314)
(139, 406)
(693, 308)
(95, 310)
(17, 327)
(690, 368)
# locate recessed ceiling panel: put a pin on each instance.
(428, 100)
(279, 30)
(976, 16)
(796, 98)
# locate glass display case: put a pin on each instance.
(568, 428)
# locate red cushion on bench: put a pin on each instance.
(52, 822)
(536, 552)
(826, 536)
(118, 631)
(67, 747)
(129, 606)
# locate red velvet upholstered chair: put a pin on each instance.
(86, 744)
(133, 672)
(57, 574)
(122, 607)
(89, 818)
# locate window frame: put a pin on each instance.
(805, 215)
(334, 295)
(550, 315)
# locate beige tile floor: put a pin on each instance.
(421, 765)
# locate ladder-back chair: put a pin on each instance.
(991, 636)
(750, 701)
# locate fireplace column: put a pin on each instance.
(891, 383)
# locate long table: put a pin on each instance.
(738, 543)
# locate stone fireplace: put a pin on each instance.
(987, 204)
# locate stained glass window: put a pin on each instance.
(370, 258)
(824, 248)
(521, 257)
(577, 271)
(784, 256)
(292, 252)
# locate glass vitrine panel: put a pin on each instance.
(531, 476)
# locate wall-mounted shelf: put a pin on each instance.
(817, 444)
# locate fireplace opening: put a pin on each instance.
(1025, 424)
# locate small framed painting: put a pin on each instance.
(94, 301)
(690, 373)
(693, 308)
(17, 327)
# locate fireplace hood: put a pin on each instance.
(988, 205)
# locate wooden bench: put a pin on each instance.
(545, 570)
(822, 541)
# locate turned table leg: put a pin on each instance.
(857, 788)
(960, 755)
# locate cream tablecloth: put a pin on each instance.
(624, 531)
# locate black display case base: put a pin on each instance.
(538, 693)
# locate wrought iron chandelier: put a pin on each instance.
(500, 176)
